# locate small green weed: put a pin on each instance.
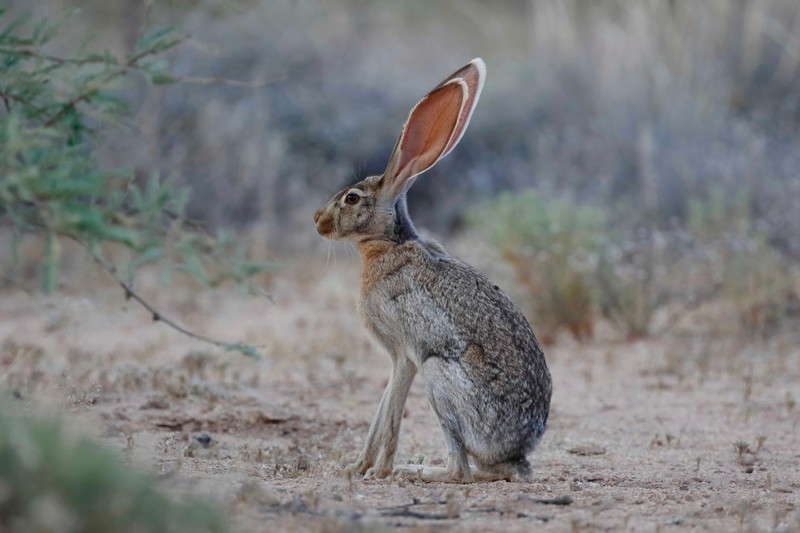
(50, 481)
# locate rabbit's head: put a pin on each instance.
(375, 207)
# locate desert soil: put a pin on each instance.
(641, 435)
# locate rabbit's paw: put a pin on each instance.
(410, 472)
(433, 474)
(379, 471)
(359, 468)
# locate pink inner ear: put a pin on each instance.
(435, 126)
(429, 129)
(472, 76)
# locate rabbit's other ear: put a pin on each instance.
(434, 126)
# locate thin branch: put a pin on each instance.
(85, 94)
(148, 7)
(261, 292)
(558, 500)
(112, 61)
(36, 54)
(93, 88)
(130, 64)
(225, 81)
(418, 515)
(8, 98)
(130, 293)
(405, 510)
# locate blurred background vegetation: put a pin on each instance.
(654, 143)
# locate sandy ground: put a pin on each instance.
(641, 437)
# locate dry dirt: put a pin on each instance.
(641, 437)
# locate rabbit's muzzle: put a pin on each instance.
(324, 221)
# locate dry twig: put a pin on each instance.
(130, 293)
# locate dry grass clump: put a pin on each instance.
(551, 247)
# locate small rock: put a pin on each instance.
(253, 492)
(204, 440)
(587, 449)
(155, 403)
(204, 447)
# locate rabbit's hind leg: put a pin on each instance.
(431, 474)
(513, 470)
(456, 471)
(510, 471)
(457, 463)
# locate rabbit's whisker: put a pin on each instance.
(328, 257)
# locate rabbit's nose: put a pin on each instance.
(317, 215)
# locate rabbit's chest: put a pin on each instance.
(406, 319)
(385, 312)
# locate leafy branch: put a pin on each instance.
(52, 187)
(158, 316)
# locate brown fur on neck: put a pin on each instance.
(379, 258)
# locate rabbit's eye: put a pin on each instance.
(352, 199)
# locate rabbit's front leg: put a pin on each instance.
(377, 458)
(370, 452)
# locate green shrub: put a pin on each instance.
(50, 183)
(50, 481)
(552, 247)
(53, 106)
(754, 277)
(571, 265)
(630, 283)
(757, 281)
(721, 211)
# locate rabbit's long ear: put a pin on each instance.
(434, 126)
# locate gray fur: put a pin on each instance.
(484, 371)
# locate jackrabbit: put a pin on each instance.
(485, 373)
